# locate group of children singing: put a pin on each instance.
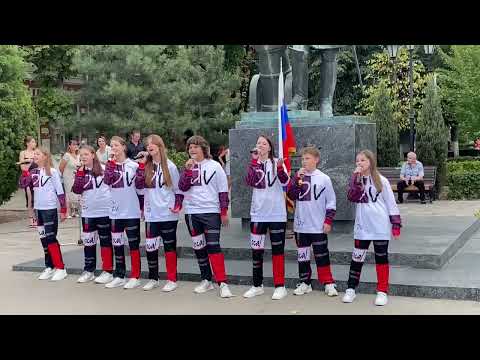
(114, 197)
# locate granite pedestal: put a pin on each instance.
(339, 139)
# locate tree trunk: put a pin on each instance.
(454, 137)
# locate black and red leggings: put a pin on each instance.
(257, 243)
(166, 231)
(47, 225)
(319, 243)
(381, 260)
(130, 227)
(205, 232)
(94, 229)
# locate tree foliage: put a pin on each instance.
(17, 116)
(161, 89)
(387, 132)
(380, 67)
(460, 84)
(432, 134)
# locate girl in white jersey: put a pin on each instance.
(267, 175)
(315, 208)
(47, 187)
(95, 203)
(125, 212)
(376, 219)
(162, 203)
(205, 187)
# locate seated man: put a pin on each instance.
(411, 173)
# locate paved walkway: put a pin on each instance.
(26, 295)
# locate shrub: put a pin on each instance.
(463, 180)
(178, 157)
(17, 117)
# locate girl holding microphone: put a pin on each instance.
(47, 187)
(205, 186)
(95, 203)
(267, 175)
(125, 212)
(377, 219)
(162, 203)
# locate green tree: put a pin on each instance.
(17, 116)
(432, 134)
(380, 67)
(160, 89)
(387, 132)
(460, 87)
(51, 65)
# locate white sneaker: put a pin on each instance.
(170, 286)
(132, 283)
(104, 278)
(59, 274)
(381, 299)
(225, 291)
(302, 289)
(86, 277)
(46, 274)
(330, 290)
(349, 296)
(116, 282)
(254, 291)
(149, 285)
(279, 293)
(204, 286)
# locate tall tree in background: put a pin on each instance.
(51, 65)
(460, 87)
(380, 67)
(162, 89)
(17, 116)
(432, 134)
(387, 133)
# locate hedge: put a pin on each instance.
(463, 180)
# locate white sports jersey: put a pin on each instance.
(96, 199)
(268, 203)
(316, 197)
(208, 181)
(372, 218)
(125, 203)
(160, 198)
(46, 188)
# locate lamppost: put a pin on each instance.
(392, 51)
(411, 114)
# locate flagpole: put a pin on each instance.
(280, 99)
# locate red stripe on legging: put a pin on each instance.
(383, 271)
(218, 266)
(171, 265)
(278, 264)
(135, 261)
(325, 275)
(107, 258)
(56, 254)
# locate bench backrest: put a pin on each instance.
(393, 174)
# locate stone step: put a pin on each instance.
(404, 280)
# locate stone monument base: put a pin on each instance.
(339, 139)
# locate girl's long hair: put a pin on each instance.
(48, 162)
(373, 169)
(149, 166)
(97, 167)
(271, 153)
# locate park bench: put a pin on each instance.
(393, 176)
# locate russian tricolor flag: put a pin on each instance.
(286, 139)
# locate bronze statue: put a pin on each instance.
(263, 96)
